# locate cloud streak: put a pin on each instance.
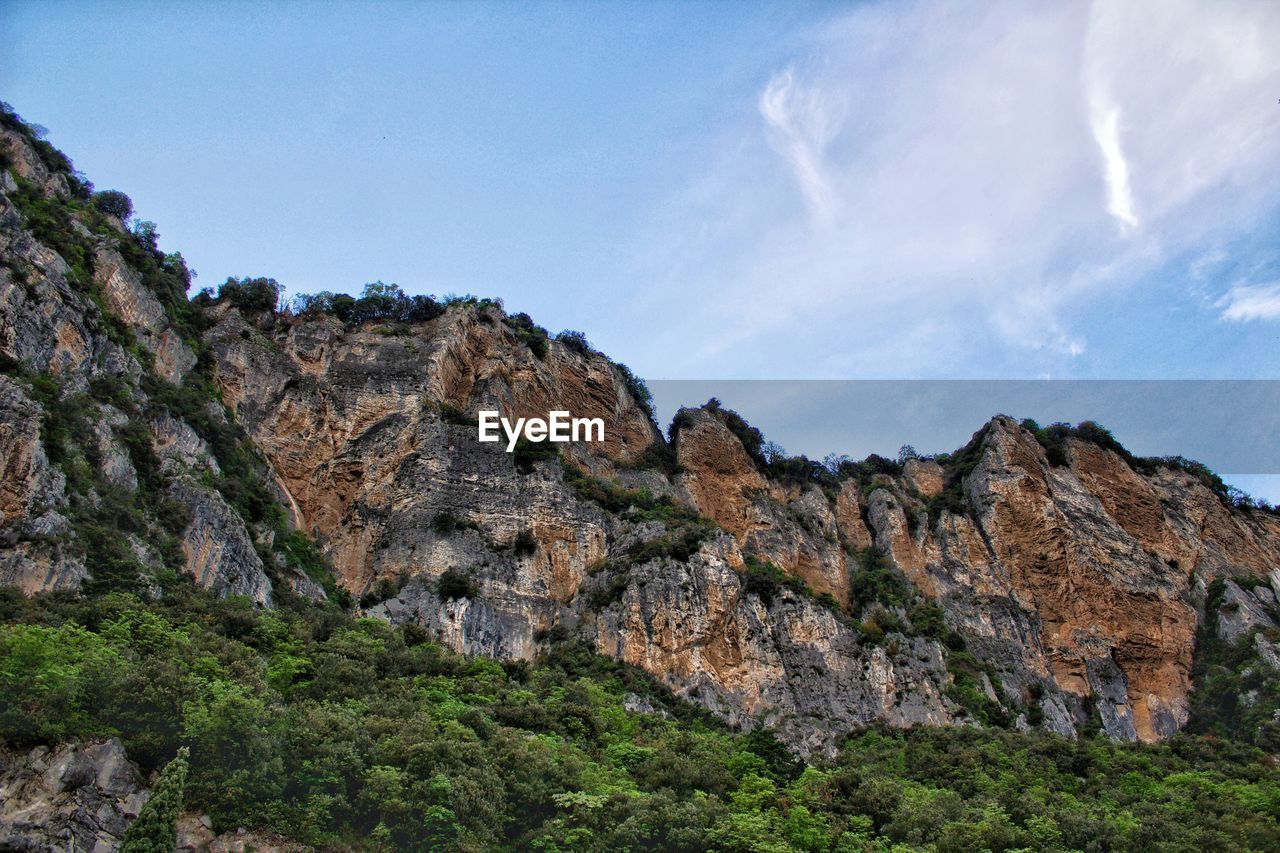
(801, 122)
(1244, 302)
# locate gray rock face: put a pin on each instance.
(72, 798)
(789, 663)
(29, 486)
(220, 554)
(33, 533)
(1242, 611)
(1077, 586)
(180, 449)
(1072, 584)
(80, 798)
(128, 298)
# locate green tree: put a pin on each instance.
(115, 203)
(153, 830)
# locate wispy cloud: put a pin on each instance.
(934, 188)
(1246, 302)
(801, 122)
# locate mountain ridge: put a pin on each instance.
(324, 457)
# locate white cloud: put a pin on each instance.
(1245, 302)
(933, 188)
(1106, 130)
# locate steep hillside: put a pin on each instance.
(278, 516)
(121, 463)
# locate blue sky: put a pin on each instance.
(859, 190)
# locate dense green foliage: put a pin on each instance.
(251, 294)
(350, 733)
(527, 454)
(454, 584)
(154, 829)
(764, 580)
(530, 334)
(114, 203)
(575, 341)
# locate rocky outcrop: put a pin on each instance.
(1080, 582)
(798, 528)
(355, 427)
(96, 341)
(44, 323)
(220, 554)
(77, 797)
(33, 532)
(29, 486)
(195, 835)
(81, 797)
(787, 662)
(128, 298)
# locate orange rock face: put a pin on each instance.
(344, 415)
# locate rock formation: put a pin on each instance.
(1000, 584)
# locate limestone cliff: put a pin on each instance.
(1076, 589)
(1013, 582)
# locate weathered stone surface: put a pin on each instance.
(1241, 611)
(48, 325)
(796, 528)
(180, 449)
(44, 323)
(923, 475)
(131, 301)
(28, 485)
(220, 553)
(72, 798)
(33, 532)
(1074, 584)
(789, 663)
(350, 421)
(80, 798)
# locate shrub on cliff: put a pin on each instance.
(251, 294)
(575, 341)
(529, 333)
(114, 203)
(454, 584)
(378, 302)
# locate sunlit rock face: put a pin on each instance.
(1077, 587)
